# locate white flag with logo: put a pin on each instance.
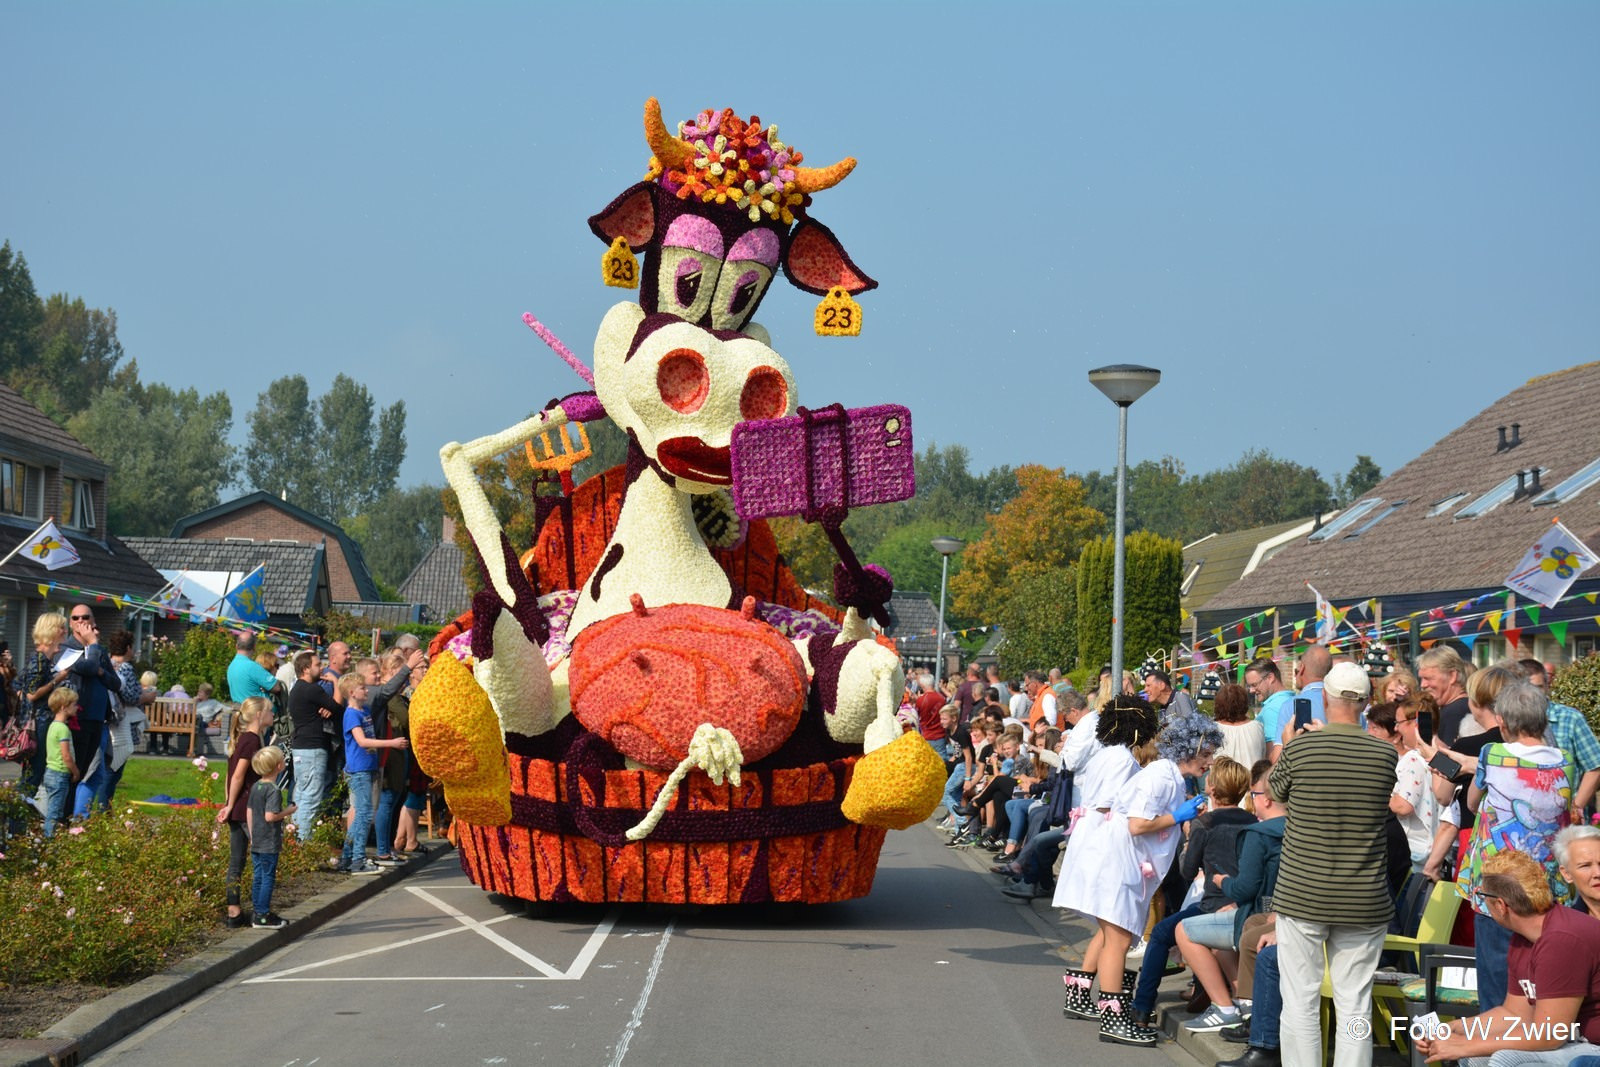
(48, 548)
(1550, 567)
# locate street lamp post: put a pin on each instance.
(1122, 384)
(946, 547)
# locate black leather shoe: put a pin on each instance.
(1239, 1033)
(1143, 1018)
(1255, 1056)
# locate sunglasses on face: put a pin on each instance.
(83, 618)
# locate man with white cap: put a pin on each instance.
(1332, 894)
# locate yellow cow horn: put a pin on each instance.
(816, 179)
(670, 150)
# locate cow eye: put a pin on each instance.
(686, 280)
(739, 291)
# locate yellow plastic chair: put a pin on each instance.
(1434, 927)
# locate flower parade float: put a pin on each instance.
(644, 704)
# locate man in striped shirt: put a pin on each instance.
(1332, 892)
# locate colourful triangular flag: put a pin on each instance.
(1558, 630)
(1533, 613)
(1493, 618)
(1514, 636)
(1469, 640)
(1455, 626)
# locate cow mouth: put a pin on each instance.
(692, 458)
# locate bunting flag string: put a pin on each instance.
(127, 601)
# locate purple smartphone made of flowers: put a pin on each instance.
(822, 459)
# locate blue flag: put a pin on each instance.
(247, 601)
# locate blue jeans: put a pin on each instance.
(1040, 856)
(952, 786)
(355, 839)
(93, 786)
(1017, 816)
(310, 766)
(388, 802)
(1163, 939)
(1268, 1003)
(57, 784)
(1493, 943)
(264, 875)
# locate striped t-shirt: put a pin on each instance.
(1336, 784)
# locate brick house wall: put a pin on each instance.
(263, 522)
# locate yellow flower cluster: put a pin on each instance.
(896, 786)
(456, 735)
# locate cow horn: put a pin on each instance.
(671, 151)
(816, 179)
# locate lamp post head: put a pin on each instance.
(948, 546)
(1123, 383)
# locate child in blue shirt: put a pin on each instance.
(361, 771)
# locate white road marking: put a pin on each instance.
(644, 998)
(545, 971)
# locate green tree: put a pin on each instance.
(332, 459)
(79, 355)
(1040, 619)
(1257, 490)
(397, 531)
(21, 314)
(1153, 573)
(1160, 499)
(1357, 481)
(168, 452)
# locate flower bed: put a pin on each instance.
(121, 896)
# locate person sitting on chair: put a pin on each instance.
(1551, 1012)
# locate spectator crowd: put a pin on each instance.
(1269, 845)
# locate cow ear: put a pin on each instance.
(631, 215)
(816, 262)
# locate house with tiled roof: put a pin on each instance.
(913, 623)
(1449, 527)
(262, 517)
(46, 473)
(436, 582)
(1217, 560)
(295, 577)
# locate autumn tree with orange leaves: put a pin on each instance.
(1039, 531)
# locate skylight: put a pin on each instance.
(1343, 522)
(1583, 479)
(1494, 497)
(1379, 517)
(1447, 503)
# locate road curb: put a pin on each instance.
(101, 1024)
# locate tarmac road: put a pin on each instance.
(935, 966)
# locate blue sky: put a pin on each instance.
(1336, 228)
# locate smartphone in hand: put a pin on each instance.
(1302, 712)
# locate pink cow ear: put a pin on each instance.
(631, 215)
(816, 262)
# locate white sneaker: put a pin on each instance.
(1137, 951)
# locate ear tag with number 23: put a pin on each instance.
(618, 267)
(838, 315)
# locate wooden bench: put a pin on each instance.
(172, 715)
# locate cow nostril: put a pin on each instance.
(765, 396)
(683, 381)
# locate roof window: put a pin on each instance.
(1379, 517)
(1447, 503)
(1345, 519)
(1564, 491)
(1496, 496)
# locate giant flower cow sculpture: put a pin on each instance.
(646, 706)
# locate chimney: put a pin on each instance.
(1533, 489)
(1316, 523)
(448, 532)
(1516, 436)
(1502, 446)
(1522, 486)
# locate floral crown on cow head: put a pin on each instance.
(724, 197)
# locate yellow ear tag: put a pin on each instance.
(838, 315)
(618, 267)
